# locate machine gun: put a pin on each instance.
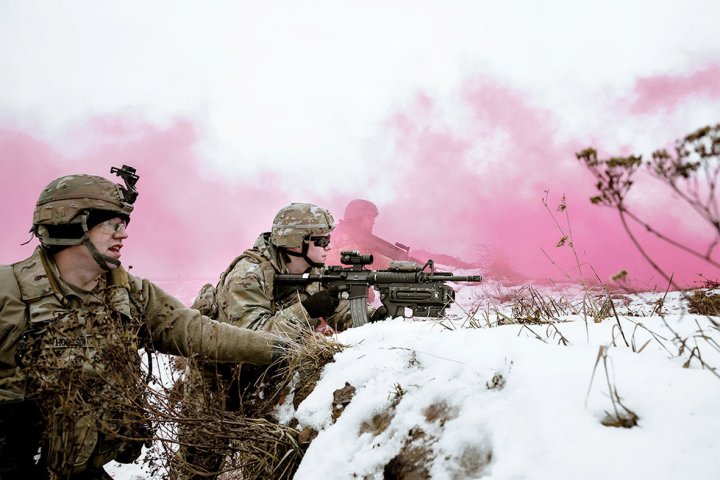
(404, 285)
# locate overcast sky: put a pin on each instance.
(327, 101)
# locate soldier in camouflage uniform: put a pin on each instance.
(246, 296)
(298, 243)
(71, 323)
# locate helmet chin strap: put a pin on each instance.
(100, 259)
(304, 256)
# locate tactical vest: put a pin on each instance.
(207, 302)
(80, 363)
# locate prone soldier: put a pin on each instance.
(248, 296)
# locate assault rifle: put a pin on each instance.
(404, 285)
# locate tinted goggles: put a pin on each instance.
(321, 242)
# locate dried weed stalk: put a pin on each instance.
(691, 172)
(532, 307)
(620, 416)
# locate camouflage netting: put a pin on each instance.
(223, 411)
(87, 378)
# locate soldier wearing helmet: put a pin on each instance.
(361, 213)
(355, 232)
(246, 296)
(71, 323)
(297, 243)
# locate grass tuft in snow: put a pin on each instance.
(704, 302)
(620, 415)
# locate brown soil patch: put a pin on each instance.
(413, 460)
(341, 399)
(440, 412)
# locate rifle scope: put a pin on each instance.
(353, 257)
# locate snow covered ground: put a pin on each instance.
(461, 399)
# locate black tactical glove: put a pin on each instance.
(321, 304)
(380, 314)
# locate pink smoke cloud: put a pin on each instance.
(472, 192)
(665, 92)
(492, 210)
(186, 225)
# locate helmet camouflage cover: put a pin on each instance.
(68, 199)
(297, 221)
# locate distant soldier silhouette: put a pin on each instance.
(354, 232)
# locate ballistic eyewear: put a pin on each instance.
(321, 242)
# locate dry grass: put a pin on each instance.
(619, 415)
(704, 302)
(240, 423)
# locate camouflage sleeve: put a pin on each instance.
(12, 316)
(244, 301)
(178, 330)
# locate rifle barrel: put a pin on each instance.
(456, 278)
(375, 277)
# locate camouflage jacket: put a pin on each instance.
(247, 297)
(34, 299)
(75, 353)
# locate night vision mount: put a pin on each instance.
(128, 175)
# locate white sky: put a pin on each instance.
(303, 86)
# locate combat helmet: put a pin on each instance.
(66, 204)
(297, 221)
(360, 208)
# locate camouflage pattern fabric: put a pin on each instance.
(294, 223)
(247, 298)
(81, 365)
(64, 198)
(244, 297)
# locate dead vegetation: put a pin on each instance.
(241, 423)
(530, 306)
(704, 302)
(440, 412)
(690, 171)
(619, 415)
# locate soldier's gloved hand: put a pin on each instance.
(380, 314)
(321, 304)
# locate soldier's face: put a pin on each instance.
(108, 237)
(318, 254)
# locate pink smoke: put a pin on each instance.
(665, 92)
(472, 192)
(491, 210)
(185, 226)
